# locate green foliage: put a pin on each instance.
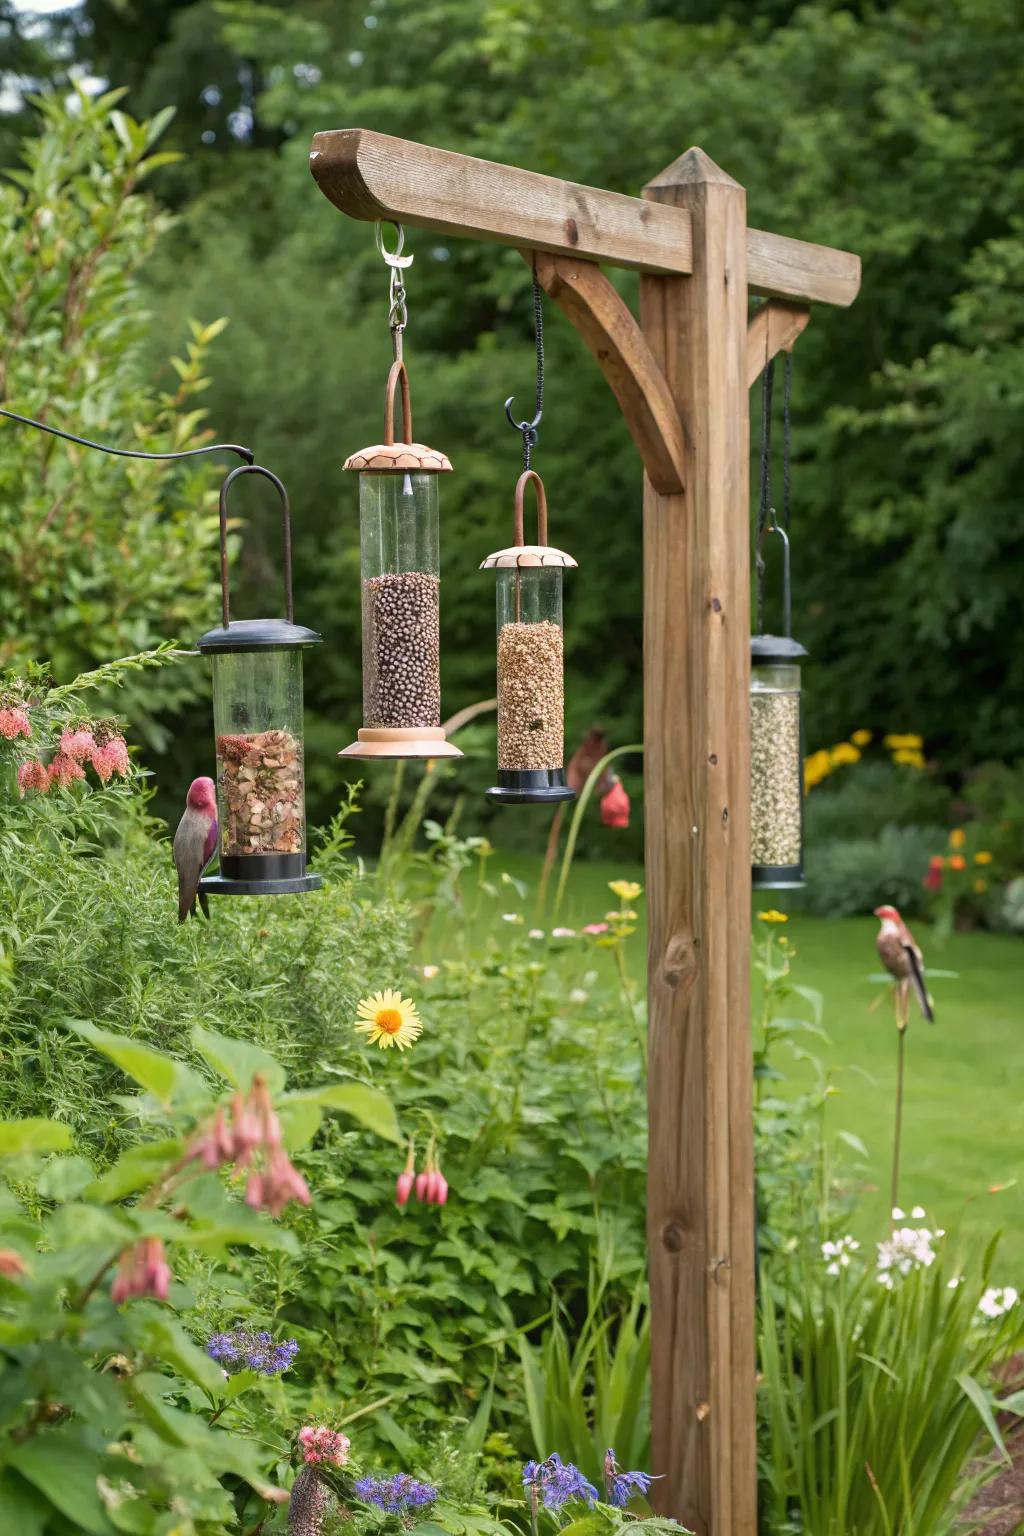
(100, 554)
(110, 1412)
(858, 874)
(863, 797)
(875, 1400)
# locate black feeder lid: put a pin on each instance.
(767, 648)
(257, 635)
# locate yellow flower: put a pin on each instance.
(957, 837)
(816, 767)
(625, 890)
(983, 857)
(980, 885)
(845, 752)
(910, 756)
(906, 743)
(387, 1018)
(861, 738)
(771, 916)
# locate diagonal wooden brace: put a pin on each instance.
(603, 319)
(774, 328)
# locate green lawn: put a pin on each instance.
(964, 1114)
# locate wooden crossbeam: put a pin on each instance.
(374, 176)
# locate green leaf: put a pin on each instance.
(19, 1138)
(65, 1469)
(135, 1169)
(166, 1340)
(370, 1106)
(979, 1397)
(64, 1177)
(237, 1060)
(22, 1509)
(153, 1070)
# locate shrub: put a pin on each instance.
(867, 796)
(856, 875)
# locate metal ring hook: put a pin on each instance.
(522, 426)
(393, 258)
(773, 526)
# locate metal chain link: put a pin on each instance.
(398, 312)
(529, 428)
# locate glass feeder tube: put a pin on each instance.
(258, 729)
(400, 570)
(531, 692)
(776, 754)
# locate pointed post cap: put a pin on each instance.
(691, 169)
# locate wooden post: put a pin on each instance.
(696, 731)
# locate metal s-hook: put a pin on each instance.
(286, 537)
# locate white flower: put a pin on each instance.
(511, 917)
(535, 933)
(998, 1300)
(430, 971)
(955, 1284)
(577, 995)
(908, 1248)
(840, 1254)
(897, 1214)
(918, 1213)
(563, 933)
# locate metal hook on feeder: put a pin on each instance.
(772, 525)
(398, 314)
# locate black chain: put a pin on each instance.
(529, 428)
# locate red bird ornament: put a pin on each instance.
(902, 958)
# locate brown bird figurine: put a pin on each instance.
(902, 958)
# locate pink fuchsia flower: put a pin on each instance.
(12, 1265)
(33, 775)
(79, 744)
(253, 1133)
(142, 1271)
(407, 1178)
(594, 929)
(14, 722)
(320, 1444)
(64, 770)
(615, 806)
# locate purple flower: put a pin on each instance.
(558, 1482)
(246, 1349)
(620, 1487)
(395, 1495)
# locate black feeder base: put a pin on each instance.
(530, 786)
(261, 874)
(777, 877)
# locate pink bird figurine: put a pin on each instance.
(194, 844)
(902, 958)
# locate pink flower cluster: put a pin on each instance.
(251, 1142)
(321, 1444)
(102, 745)
(142, 1271)
(431, 1186)
(14, 722)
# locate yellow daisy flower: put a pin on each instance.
(771, 916)
(861, 738)
(387, 1018)
(910, 757)
(845, 752)
(957, 837)
(984, 857)
(626, 890)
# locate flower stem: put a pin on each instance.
(901, 1033)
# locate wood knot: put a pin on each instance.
(716, 606)
(680, 964)
(713, 759)
(673, 1236)
(572, 232)
(703, 1411)
(725, 816)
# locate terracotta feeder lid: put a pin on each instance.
(403, 457)
(523, 556)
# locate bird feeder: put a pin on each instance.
(257, 717)
(776, 750)
(401, 586)
(531, 696)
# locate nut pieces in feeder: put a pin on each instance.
(257, 714)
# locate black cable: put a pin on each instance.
(787, 392)
(764, 500)
(130, 453)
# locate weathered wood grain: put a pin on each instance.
(697, 790)
(606, 324)
(371, 175)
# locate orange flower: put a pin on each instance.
(957, 861)
(957, 837)
(936, 861)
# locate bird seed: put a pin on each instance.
(402, 650)
(775, 774)
(530, 696)
(260, 781)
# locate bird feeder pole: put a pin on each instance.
(681, 378)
